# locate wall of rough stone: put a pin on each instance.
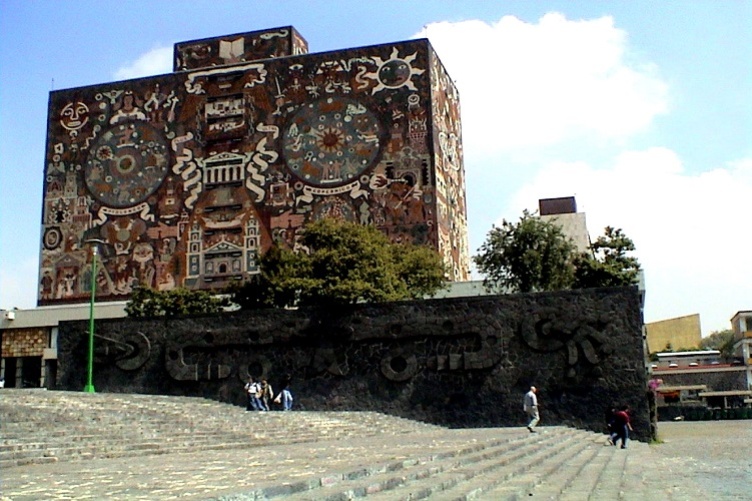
(461, 362)
(714, 379)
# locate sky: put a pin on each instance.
(642, 110)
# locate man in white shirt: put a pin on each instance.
(530, 406)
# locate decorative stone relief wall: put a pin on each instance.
(457, 362)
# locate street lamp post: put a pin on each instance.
(89, 388)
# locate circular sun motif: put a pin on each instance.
(331, 141)
(127, 164)
(395, 72)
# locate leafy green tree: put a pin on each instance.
(608, 264)
(722, 341)
(528, 256)
(420, 270)
(274, 286)
(146, 302)
(345, 263)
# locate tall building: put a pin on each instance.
(183, 179)
(562, 211)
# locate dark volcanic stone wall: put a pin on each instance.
(463, 362)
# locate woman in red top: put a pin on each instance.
(622, 426)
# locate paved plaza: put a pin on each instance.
(718, 454)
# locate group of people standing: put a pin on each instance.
(618, 421)
(261, 394)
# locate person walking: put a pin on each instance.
(622, 426)
(530, 406)
(249, 389)
(253, 388)
(285, 397)
(266, 394)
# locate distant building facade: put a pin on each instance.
(562, 211)
(674, 334)
(741, 324)
(184, 179)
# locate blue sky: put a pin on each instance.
(640, 109)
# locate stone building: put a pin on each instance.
(183, 179)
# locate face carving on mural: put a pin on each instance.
(74, 116)
(395, 72)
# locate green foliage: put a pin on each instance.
(146, 302)
(534, 255)
(528, 256)
(722, 341)
(419, 269)
(274, 286)
(345, 263)
(608, 265)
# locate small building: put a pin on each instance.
(28, 340)
(729, 399)
(685, 359)
(681, 394)
(741, 324)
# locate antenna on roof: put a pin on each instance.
(52, 85)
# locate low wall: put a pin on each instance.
(715, 379)
(461, 362)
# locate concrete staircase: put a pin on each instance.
(121, 446)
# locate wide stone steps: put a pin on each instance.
(41, 426)
(197, 449)
(470, 473)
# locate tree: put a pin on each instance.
(607, 265)
(528, 256)
(534, 255)
(722, 341)
(345, 263)
(146, 302)
(273, 286)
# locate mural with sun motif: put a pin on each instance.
(186, 178)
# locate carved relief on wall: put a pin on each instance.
(580, 339)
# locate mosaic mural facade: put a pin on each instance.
(183, 179)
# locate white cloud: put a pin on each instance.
(155, 62)
(550, 108)
(688, 229)
(530, 85)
